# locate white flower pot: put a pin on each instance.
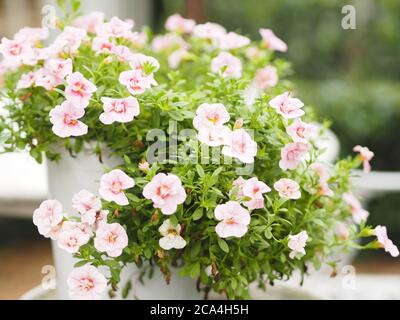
(71, 175)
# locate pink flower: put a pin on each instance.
(69, 40)
(287, 188)
(27, 80)
(111, 238)
(357, 211)
(241, 146)
(271, 41)
(266, 77)
(43, 78)
(239, 184)
(87, 204)
(254, 189)
(72, 239)
(385, 242)
(168, 42)
(123, 53)
(210, 115)
(366, 156)
(102, 46)
(342, 231)
(113, 184)
(17, 52)
(138, 39)
(120, 110)
(48, 218)
(32, 35)
(166, 192)
(233, 218)
(324, 189)
(291, 155)
(210, 31)
(139, 61)
(86, 283)
(115, 28)
(231, 65)
(176, 23)
(287, 106)
(214, 136)
(90, 21)
(59, 68)
(300, 131)
(79, 90)
(144, 166)
(296, 243)
(176, 57)
(171, 237)
(232, 41)
(321, 170)
(135, 81)
(65, 120)
(254, 53)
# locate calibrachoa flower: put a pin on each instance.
(241, 146)
(102, 46)
(43, 78)
(232, 41)
(90, 21)
(86, 283)
(176, 57)
(300, 131)
(366, 156)
(139, 61)
(176, 23)
(271, 41)
(144, 166)
(227, 64)
(210, 115)
(135, 81)
(48, 218)
(385, 242)
(123, 53)
(214, 136)
(342, 231)
(358, 212)
(111, 238)
(210, 31)
(254, 189)
(69, 40)
(233, 218)
(79, 90)
(87, 204)
(266, 77)
(171, 237)
(113, 184)
(32, 35)
(321, 170)
(72, 239)
(115, 28)
(296, 243)
(65, 120)
(166, 192)
(119, 110)
(168, 42)
(59, 68)
(287, 106)
(288, 188)
(27, 80)
(17, 52)
(291, 155)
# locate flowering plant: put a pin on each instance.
(238, 195)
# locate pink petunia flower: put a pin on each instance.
(59, 68)
(176, 23)
(71, 239)
(287, 188)
(90, 21)
(214, 136)
(27, 80)
(232, 41)
(171, 237)
(102, 46)
(115, 28)
(113, 184)
(119, 110)
(241, 146)
(166, 192)
(227, 64)
(138, 61)
(79, 90)
(123, 53)
(43, 78)
(234, 220)
(366, 156)
(86, 283)
(357, 211)
(266, 77)
(291, 155)
(65, 120)
(287, 106)
(17, 52)
(297, 243)
(48, 218)
(385, 242)
(271, 41)
(87, 204)
(111, 238)
(135, 81)
(210, 31)
(209, 115)
(254, 189)
(300, 131)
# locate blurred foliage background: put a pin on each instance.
(351, 77)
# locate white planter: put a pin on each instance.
(71, 175)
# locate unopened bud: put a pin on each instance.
(144, 166)
(238, 123)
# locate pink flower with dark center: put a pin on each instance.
(111, 238)
(385, 242)
(135, 81)
(113, 184)
(176, 23)
(366, 156)
(65, 120)
(234, 220)
(87, 204)
(241, 146)
(291, 155)
(119, 110)
(287, 106)
(79, 90)
(86, 283)
(17, 52)
(227, 64)
(90, 21)
(48, 218)
(166, 192)
(271, 41)
(296, 243)
(266, 77)
(300, 131)
(288, 188)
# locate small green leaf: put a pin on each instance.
(174, 220)
(200, 171)
(198, 213)
(223, 245)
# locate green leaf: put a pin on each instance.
(198, 213)
(174, 220)
(195, 250)
(81, 263)
(126, 289)
(195, 270)
(223, 245)
(200, 171)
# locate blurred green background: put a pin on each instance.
(351, 77)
